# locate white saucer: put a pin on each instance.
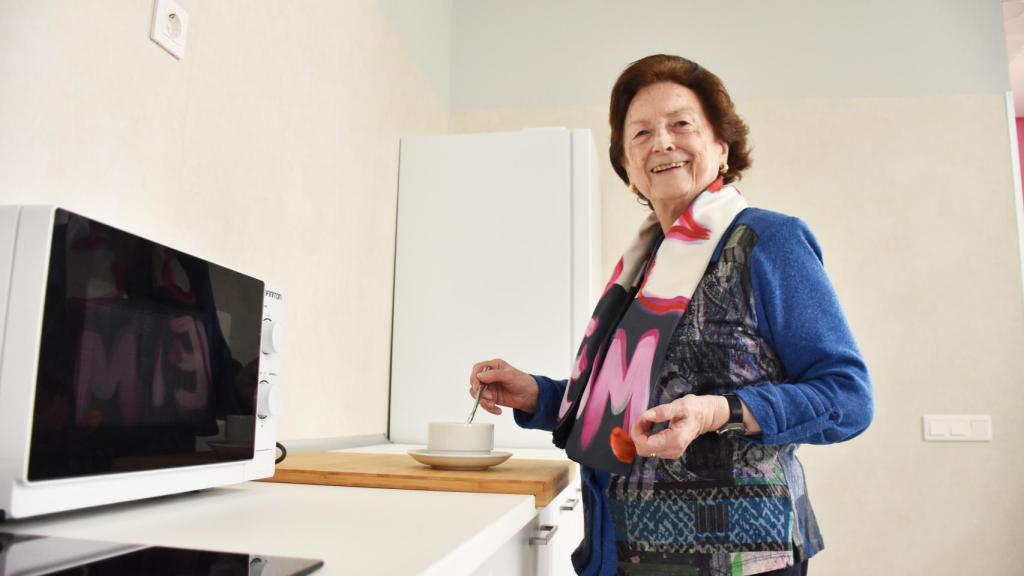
(459, 460)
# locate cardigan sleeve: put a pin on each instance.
(549, 397)
(826, 396)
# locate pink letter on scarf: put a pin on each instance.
(626, 384)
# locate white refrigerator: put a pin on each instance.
(497, 255)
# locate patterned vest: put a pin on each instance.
(728, 506)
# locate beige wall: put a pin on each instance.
(272, 148)
(912, 201)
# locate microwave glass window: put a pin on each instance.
(149, 357)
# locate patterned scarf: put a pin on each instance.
(620, 358)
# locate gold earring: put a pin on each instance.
(723, 168)
(640, 198)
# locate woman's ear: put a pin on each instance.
(635, 180)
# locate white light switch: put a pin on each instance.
(937, 429)
(170, 27)
(957, 428)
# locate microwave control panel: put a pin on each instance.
(268, 400)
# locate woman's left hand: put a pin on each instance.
(687, 417)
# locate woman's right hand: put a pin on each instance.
(506, 386)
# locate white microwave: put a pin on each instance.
(128, 369)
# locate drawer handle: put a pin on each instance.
(570, 504)
(545, 539)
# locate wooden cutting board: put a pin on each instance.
(543, 479)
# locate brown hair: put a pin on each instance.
(718, 107)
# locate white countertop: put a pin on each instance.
(354, 530)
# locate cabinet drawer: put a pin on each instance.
(545, 544)
(565, 513)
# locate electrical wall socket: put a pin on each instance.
(170, 27)
(957, 428)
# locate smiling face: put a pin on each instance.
(671, 151)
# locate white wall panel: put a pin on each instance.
(483, 270)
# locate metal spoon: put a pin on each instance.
(479, 393)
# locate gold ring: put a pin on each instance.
(654, 454)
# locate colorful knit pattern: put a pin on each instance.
(683, 519)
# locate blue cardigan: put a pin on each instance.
(827, 398)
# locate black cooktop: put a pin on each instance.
(27, 555)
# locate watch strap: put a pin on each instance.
(734, 426)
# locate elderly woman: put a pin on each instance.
(717, 348)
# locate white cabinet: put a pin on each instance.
(497, 254)
(565, 513)
(570, 518)
(544, 546)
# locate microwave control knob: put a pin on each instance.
(272, 336)
(269, 401)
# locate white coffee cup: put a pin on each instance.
(460, 437)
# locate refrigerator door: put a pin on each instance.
(485, 268)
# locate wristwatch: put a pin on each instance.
(734, 427)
